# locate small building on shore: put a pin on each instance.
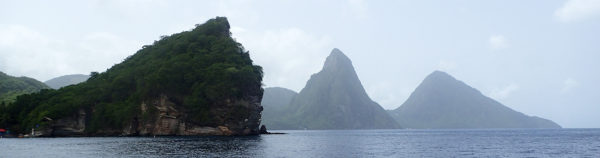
(3, 132)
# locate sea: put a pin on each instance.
(324, 143)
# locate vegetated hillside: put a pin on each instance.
(441, 101)
(61, 81)
(11, 87)
(197, 82)
(334, 98)
(275, 102)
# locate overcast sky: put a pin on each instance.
(539, 57)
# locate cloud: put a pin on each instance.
(574, 10)
(502, 93)
(568, 85)
(27, 52)
(237, 30)
(239, 11)
(132, 8)
(288, 56)
(498, 42)
(387, 94)
(444, 65)
(106, 49)
(358, 8)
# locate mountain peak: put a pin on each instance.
(336, 51)
(334, 98)
(437, 74)
(216, 26)
(337, 59)
(445, 82)
(441, 101)
(135, 82)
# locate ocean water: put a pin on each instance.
(325, 143)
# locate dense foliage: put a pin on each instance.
(11, 87)
(197, 69)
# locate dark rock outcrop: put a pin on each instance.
(69, 126)
(166, 119)
(263, 130)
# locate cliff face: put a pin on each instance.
(70, 126)
(197, 82)
(163, 117)
(168, 119)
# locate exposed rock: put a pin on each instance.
(263, 130)
(70, 126)
(167, 120)
(224, 130)
(170, 120)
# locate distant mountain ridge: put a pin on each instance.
(441, 101)
(11, 87)
(61, 81)
(275, 102)
(334, 98)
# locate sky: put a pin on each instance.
(539, 57)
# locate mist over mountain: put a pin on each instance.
(11, 87)
(334, 98)
(61, 81)
(441, 101)
(275, 102)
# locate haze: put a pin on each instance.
(538, 57)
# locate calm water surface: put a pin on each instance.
(332, 143)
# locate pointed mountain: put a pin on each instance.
(66, 80)
(334, 98)
(196, 82)
(441, 101)
(11, 87)
(275, 101)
